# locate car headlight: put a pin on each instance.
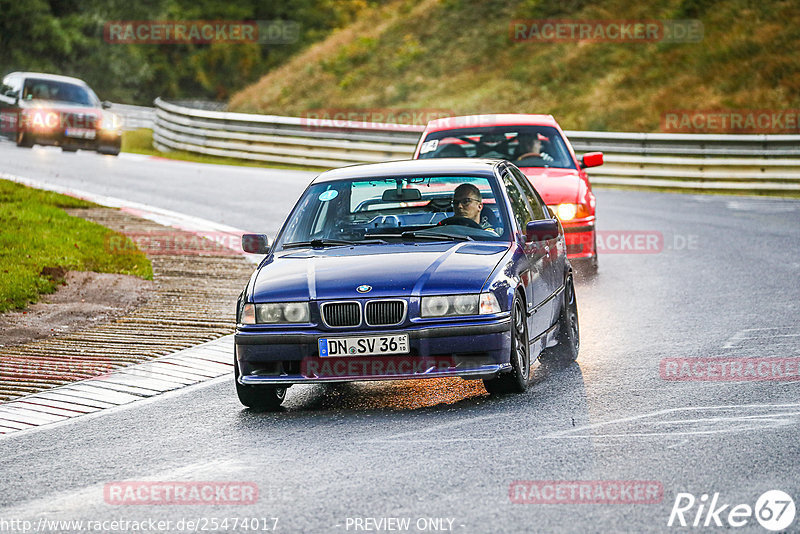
(455, 305)
(41, 119)
(276, 313)
(110, 122)
(566, 212)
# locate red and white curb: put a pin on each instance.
(136, 383)
(127, 385)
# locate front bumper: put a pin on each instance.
(469, 350)
(104, 141)
(579, 235)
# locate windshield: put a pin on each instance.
(525, 146)
(51, 90)
(397, 209)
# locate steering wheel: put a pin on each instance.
(463, 221)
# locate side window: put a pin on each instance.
(518, 203)
(537, 205)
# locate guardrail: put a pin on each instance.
(764, 163)
(134, 117)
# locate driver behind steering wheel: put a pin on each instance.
(468, 203)
(530, 146)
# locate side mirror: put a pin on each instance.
(255, 243)
(541, 230)
(592, 159)
(106, 104)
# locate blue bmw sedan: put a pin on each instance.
(407, 270)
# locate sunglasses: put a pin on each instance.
(464, 201)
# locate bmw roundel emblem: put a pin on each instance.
(364, 288)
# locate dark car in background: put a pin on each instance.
(376, 276)
(48, 109)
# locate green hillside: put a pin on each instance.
(458, 56)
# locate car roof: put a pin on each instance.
(45, 76)
(414, 167)
(497, 119)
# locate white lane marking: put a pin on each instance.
(90, 392)
(731, 423)
(114, 409)
(76, 501)
(728, 423)
(741, 336)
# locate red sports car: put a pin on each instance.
(538, 146)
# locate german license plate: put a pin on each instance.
(82, 133)
(363, 346)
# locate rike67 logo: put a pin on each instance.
(774, 510)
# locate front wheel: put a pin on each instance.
(267, 398)
(568, 337)
(24, 140)
(517, 380)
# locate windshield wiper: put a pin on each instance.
(435, 236)
(322, 243)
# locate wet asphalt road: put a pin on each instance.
(722, 283)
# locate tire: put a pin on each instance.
(569, 337)
(265, 398)
(594, 263)
(24, 140)
(515, 381)
(588, 267)
(110, 151)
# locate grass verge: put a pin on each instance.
(39, 242)
(141, 142)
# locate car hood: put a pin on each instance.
(556, 186)
(391, 270)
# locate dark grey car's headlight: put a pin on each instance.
(276, 313)
(455, 305)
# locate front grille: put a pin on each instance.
(340, 314)
(80, 120)
(385, 312)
